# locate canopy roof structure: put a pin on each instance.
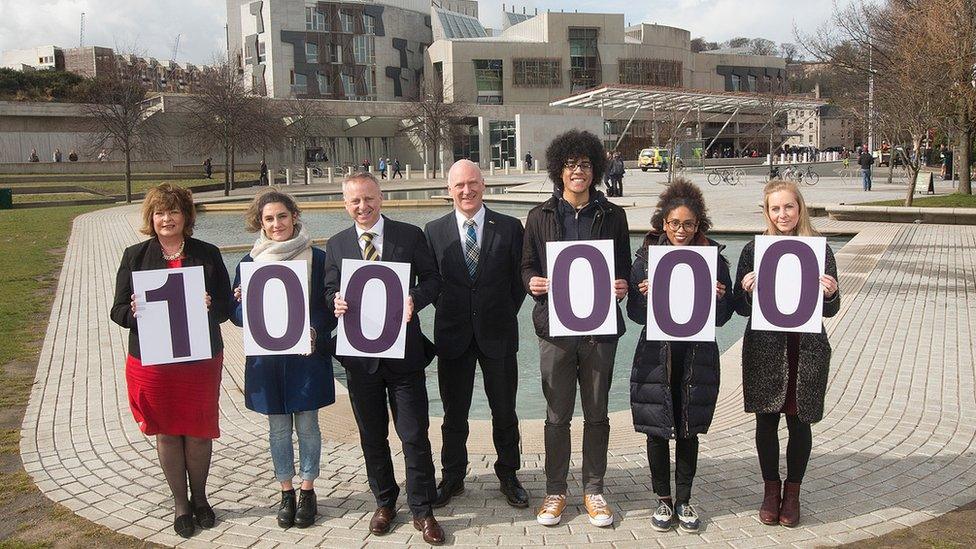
(625, 96)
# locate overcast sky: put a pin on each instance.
(151, 27)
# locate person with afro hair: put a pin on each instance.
(576, 211)
(674, 384)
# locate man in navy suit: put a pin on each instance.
(479, 254)
(375, 384)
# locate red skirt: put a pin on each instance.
(175, 399)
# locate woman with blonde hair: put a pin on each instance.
(176, 402)
(290, 389)
(784, 373)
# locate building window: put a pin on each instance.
(650, 72)
(262, 56)
(488, 80)
(736, 83)
(347, 23)
(348, 86)
(370, 81)
(369, 24)
(501, 140)
(314, 20)
(335, 53)
(751, 83)
(323, 82)
(363, 49)
(311, 52)
(537, 73)
(299, 83)
(583, 59)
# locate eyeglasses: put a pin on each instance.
(571, 166)
(688, 226)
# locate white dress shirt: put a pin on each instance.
(479, 220)
(377, 230)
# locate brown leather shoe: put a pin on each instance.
(382, 519)
(433, 533)
(769, 512)
(789, 512)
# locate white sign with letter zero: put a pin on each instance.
(374, 325)
(681, 293)
(171, 314)
(581, 299)
(788, 296)
(274, 296)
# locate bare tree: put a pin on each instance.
(123, 120)
(225, 115)
(791, 52)
(949, 32)
(762, 46)
(432, 121)
(881, 44)
(303, 119)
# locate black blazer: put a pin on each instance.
(404, 243)
(148, 255)
(485, 308)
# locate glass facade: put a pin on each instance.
(488, 81)
(584, 61)
(537, 73)
(311, 52)
(502, 143)
(314, 20)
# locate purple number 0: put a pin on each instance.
(174, 294)
(394, 308)
(561, 289)
(294, 299)
(661, 296)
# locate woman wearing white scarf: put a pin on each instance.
(290, 389)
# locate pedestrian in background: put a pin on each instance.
(866, 160)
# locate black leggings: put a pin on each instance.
(797, 449)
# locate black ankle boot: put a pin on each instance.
(307, 509)
(286, 511)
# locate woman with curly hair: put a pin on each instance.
(290, 389)
(176, 403)
(674, 384)
(784, 373)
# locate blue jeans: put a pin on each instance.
(309, 444)
(866, 178)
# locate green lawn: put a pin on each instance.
(53, 197)
(954, 200)
(30, 269)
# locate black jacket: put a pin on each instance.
(765, 372)
(543, 225)
(865, 160)
(650, 378)
(404, 243)
(148, 255)
(486, 307)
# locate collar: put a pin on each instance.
(478, 217)
(376, 229)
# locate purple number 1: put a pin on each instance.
(174, 294)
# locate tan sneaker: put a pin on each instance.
(598, 509)
(552, 510)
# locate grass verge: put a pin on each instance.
(33, 243)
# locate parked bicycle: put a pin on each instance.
(807, 176)
(730, 176)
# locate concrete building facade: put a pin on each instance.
(39, 58)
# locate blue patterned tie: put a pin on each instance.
(471, 251)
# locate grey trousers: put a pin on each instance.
(564, 363)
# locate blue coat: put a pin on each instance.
(284, 384)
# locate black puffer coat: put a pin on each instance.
(650, 378)
(765, 372)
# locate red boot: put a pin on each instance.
(769, 512)
(789, 512)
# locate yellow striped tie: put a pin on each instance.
(369, 252)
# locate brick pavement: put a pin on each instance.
(896, 446)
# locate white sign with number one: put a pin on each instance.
(172, 315)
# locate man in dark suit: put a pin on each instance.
(370, 380)
(479, 254)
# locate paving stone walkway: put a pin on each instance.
(897, 445)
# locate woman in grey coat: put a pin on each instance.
(784, 373)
